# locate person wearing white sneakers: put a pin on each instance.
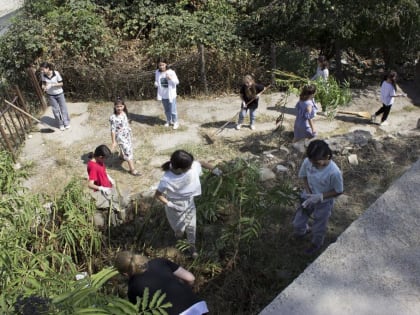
(249, 92)
(388, 93)
(52, 84)
(166, 81)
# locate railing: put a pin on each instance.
(13, 124)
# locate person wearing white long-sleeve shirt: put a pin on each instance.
(322, 69)
(388, 93)
(166, 81)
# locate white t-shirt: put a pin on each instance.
(324, 179)
(321, 73)
(181, 186)
(55, 78)
(387, 93)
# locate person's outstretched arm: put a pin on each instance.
(185, 275)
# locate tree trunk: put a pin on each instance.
(203, 68)
(338, 68)
(273, 57)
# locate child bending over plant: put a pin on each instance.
(177, 189)
(323, 182)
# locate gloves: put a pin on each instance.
(312, 200)
(243, 104)
(217, 171)
(111, 180)
(170, 204)
(106, 190)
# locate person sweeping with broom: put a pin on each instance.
(249, 92)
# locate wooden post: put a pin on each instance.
(203, 68)
(273, 57)
(35, 84)
(6, 140)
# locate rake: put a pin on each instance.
(211, 139)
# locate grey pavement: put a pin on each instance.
(8, 9)
(372, 269)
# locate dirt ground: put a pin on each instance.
(54, 158)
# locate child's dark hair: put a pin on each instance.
(101, 150)
(318, 150)
(323, 61)
(164, 60)
(180, 160)
(307, 91)
(46, 65)
(120, 101)
(392, 75)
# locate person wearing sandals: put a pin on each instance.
(103, 187)
(177, 189)
(323, 181)
(121, 135)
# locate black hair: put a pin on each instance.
(323, 61)
(101, 150)
(118, 101)
(164, 60)
(318, 150)
(392, 75)
(307, 91)
(46, 65)
(180, 160)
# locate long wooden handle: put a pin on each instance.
(258, 95)
(23, 112)
(347, 112)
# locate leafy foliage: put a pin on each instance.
(9, 176)
(239, 202)
(331, 94)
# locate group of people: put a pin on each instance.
(180, 183)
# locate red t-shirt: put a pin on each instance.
(97, 173)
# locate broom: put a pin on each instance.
(211, 138)
(365, 115)
(49, 130)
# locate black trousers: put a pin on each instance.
(385, 109)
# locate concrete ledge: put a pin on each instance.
(373, 268)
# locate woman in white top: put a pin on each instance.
(322, 69)
(166, 82)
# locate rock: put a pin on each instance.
(352, 158)
(280, 168)
(266, 174)
(99, 219)
(299, 146)
(284, 149)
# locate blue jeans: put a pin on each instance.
(252, 115)
(59, 109)
(170, 110)
(321, 213)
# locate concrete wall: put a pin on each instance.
(8, 9)
(372, 269)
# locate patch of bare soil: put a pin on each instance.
(275, 259)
